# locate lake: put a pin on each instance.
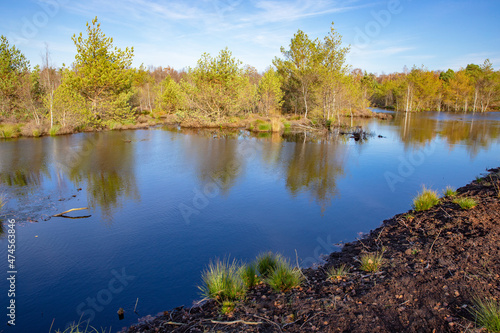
(163, 202)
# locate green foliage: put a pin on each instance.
(102, 75)
(248, 274)
(284, 277)
(487, 314)
(216, 86)
(449, 192)
(425, 200)
(313, 72)
(372, 262)
(13, 68)
(227, 307)
(264, 127)
(8, 131)
(222, 281)
(267, 263)
(170, 96)
(270, 93)
(53, 131)
(465, 203)
(337, 273)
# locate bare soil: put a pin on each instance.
(435, 263)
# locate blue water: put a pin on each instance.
(163, 202)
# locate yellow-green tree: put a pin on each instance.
(214, 88)
(101, 75)
(270, 93)
(13, 67)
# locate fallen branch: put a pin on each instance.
(237, 322)
(71, 217)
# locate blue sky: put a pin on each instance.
(384, 35)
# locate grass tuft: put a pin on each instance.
(264, 127)
(82, 328)
(465, 203)
(372, 262)
(267, 263)
(248, 274)
(227, 307)
(487, 314)
(449, 192)
(337, 273)
(425, 200)
(53, 131)
(222, 281)
(284, 277)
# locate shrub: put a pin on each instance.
(487, 314)
(372, 262)
(222, 281)
(465, 203)
(248, 274)
(337, 273)
(425, 200)
(267, 263)
(284, 278)
(449, 192)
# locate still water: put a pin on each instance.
(163, 202)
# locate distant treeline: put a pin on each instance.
(101, 89)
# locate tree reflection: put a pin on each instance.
(417, 129)
(105, 165)
(315, 167)
(26, 164)
(215, 156)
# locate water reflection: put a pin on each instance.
(23, 164)
(418, 129)
(315, 168)
(104, 165)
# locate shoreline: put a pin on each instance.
(252, 122)
(436, 262)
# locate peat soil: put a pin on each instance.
(435, 263)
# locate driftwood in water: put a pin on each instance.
(71, 217)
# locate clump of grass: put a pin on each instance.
(372, 262)
(267, 263)
(425, 200)
(53, 131)
(409, 216)
(284, 277)
(82, 328)
(227, 307)
(264, 127)
(2, 201)
(8, 131)
(286, 124)
(465, 203)
(36, 133)
(487, 314)
(449, 192)
(248, 274)
(222, 281)
(337, 273)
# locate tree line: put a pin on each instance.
(311, 79)
(475, 88)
